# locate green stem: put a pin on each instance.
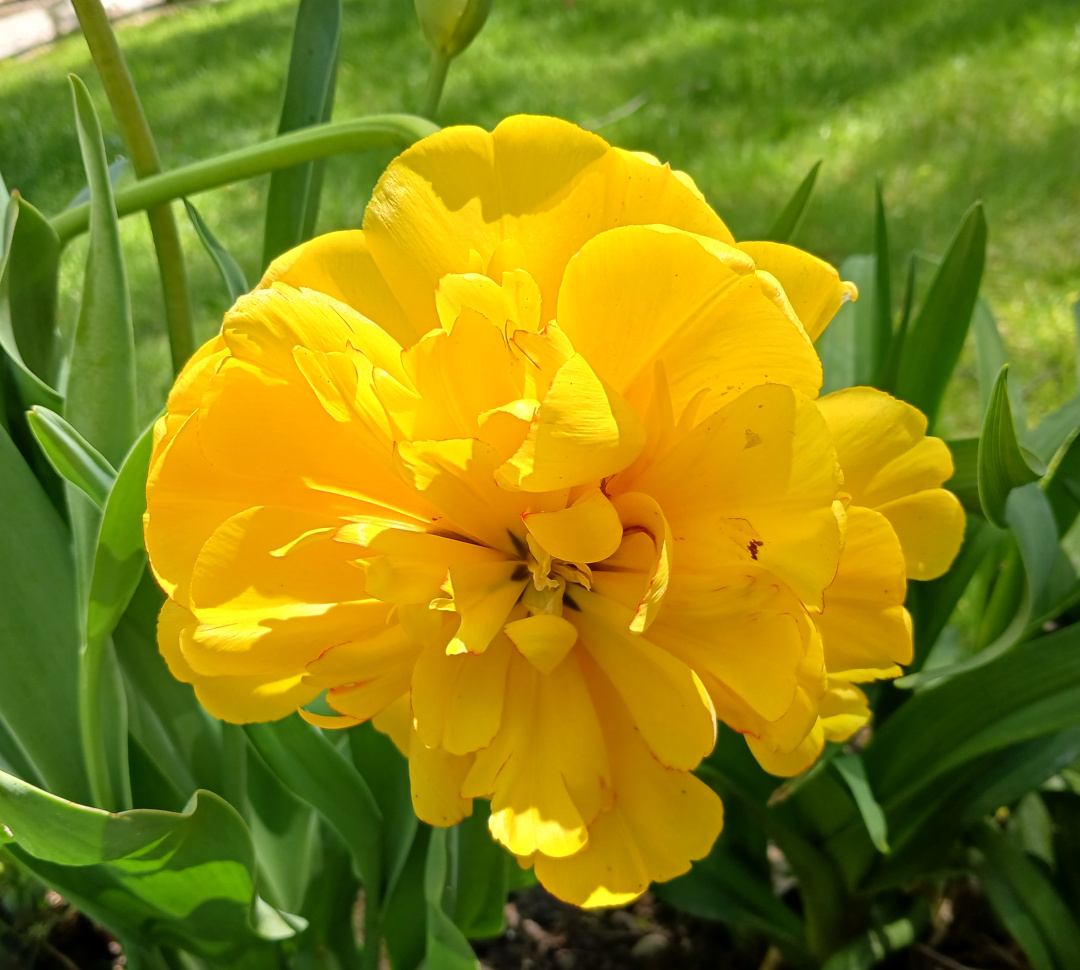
(318, 141)
(139, 143)
(440, 63)
(370, 958)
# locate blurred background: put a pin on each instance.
(945, 102)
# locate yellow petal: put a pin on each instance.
(457, 477)
(436, 778)
(659, 821)
(546, 768)
(396, 722)
(544, 639)
(664, 696)
(545, 184)
(261, 612)
(754, 484)
(787, 764)
(364, 659)
(482, 594)
(458, 700)
(638, 294)
(813, 286)
(583, 431)
(844, 709)
(930, 526)
(863, 623)
(339, 264)
(711, 623)
(587, 531)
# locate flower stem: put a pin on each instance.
(440, 63)
(318, 141)
(139, 143)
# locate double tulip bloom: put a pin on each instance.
(533, 472)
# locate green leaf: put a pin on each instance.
(120, 555)
(157, 878)
(1047, 437)
(309, 95)
(990, 357)
(787, 223)
(964, 483)
(74, 458)
(39, 632)
(850, 768)
(32, 389)
(32, 291)
(848, 347)
(1026, 902)
(1063, 488)
(100, 400)
(119, 168)
(933, 343)
(1030, 691)
(405, 912)
(482, 869)
(231, 273)
(447, 948)
(890, 367)
(316, 772)
(1002, 466)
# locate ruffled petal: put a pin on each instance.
(930, 526)
(813, 287)
(641, 294)
(542, 183)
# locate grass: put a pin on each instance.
(947, 102)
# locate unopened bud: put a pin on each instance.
(450, 25)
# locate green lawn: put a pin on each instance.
(947, 102)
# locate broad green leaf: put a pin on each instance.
(447, 948)
(848, 345)
(481, 882)
(39, 630)
(405, 909)
(935, 338)
(882, 326)
(285, 832)
(1030, 691)
(165, 718)
(1023, 591)
(329, 943)
(850, 768)
(1047, 437)
(120, 555)
(1031, 827)
(1063, 488)
(964, 483)
(231, 273)
(1002, 466)
(32, 291)
(32, 389)
(74, 458)
(309, 766)
(100, 399)
(787, 223)
(309, 94)
(990, 357)
(387, 772)
(157, 878)
(1010, 878)
(890, 368)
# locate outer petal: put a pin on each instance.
(340, 265)
(753, 483)
(930, 526)
(813, 286)
(543, 183)
(458, 700)
(547, 767)
(666, 700)
(659, 822)
(638, 294)
(863, 623)
(436, 777)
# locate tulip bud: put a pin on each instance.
(450, 25)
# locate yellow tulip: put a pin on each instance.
(532, 471)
